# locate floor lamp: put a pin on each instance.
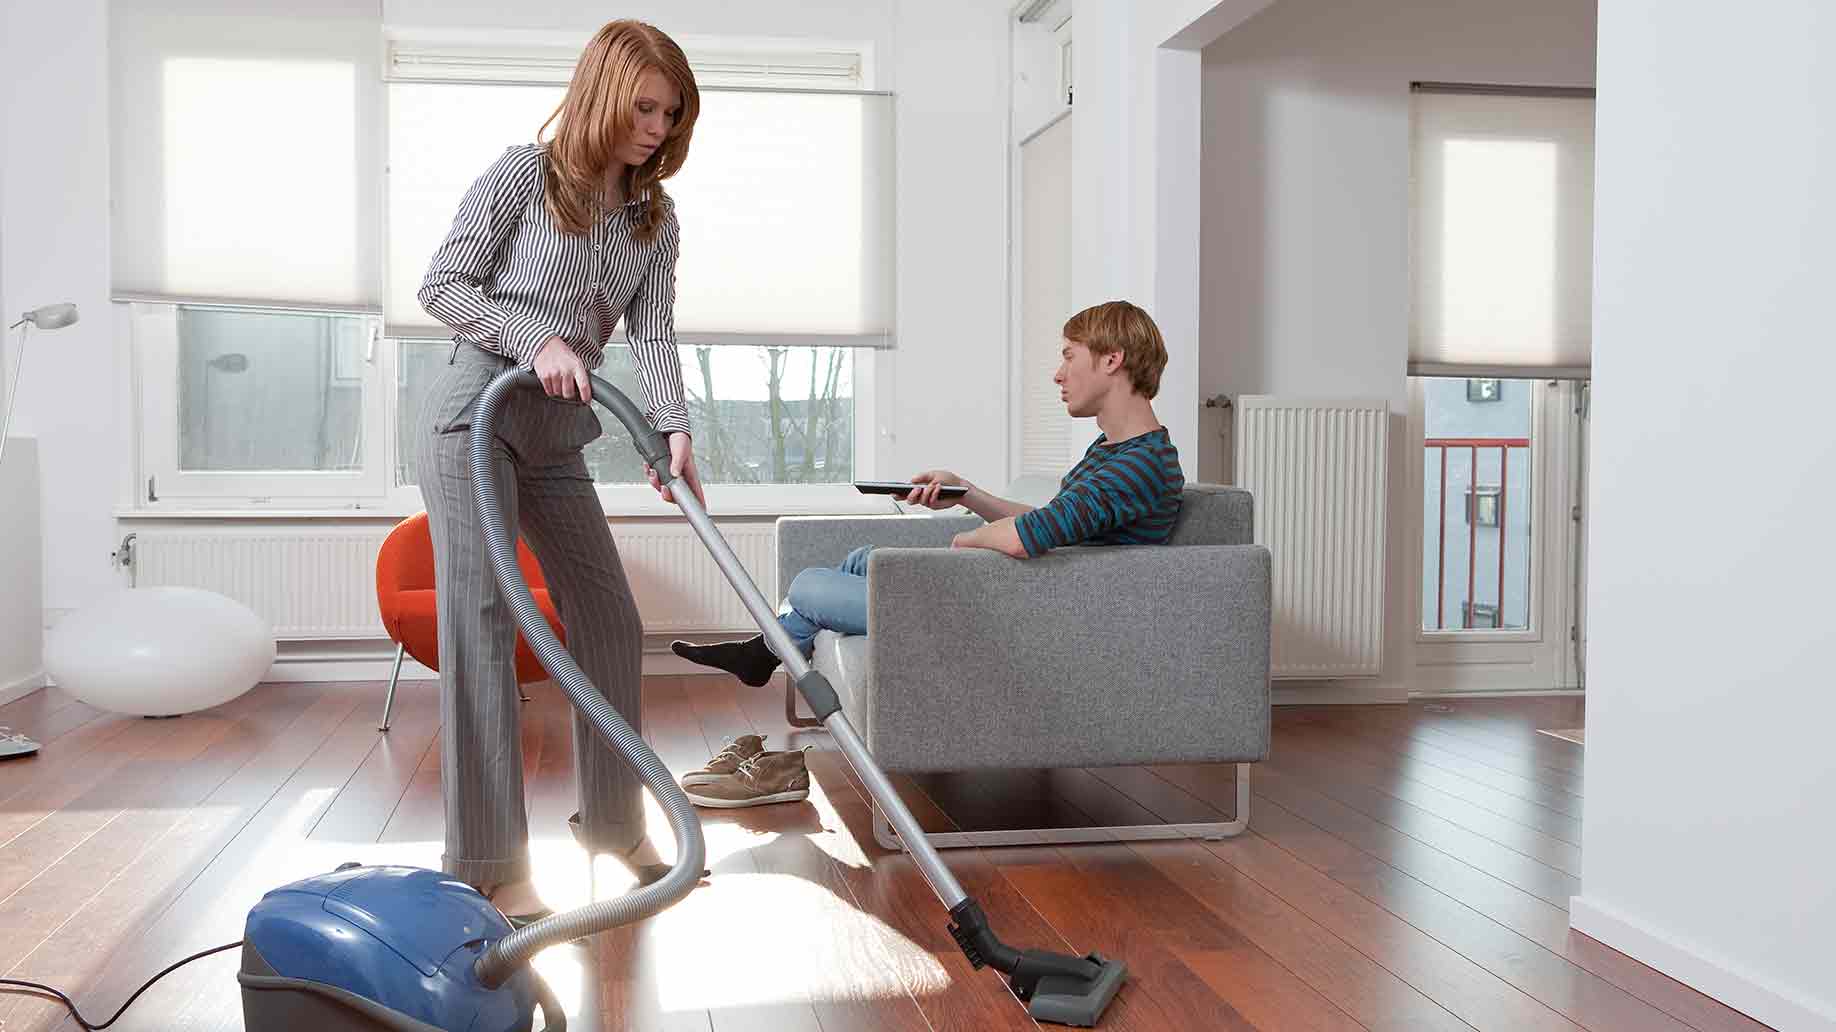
(50, 317)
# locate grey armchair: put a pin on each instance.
(1084, 657)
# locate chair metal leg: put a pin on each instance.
(1211, 832)
(394, 676)
(790, 708)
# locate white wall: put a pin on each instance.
(1305, 217)
(21, 640)
(1710, 771)
(21, 643)
(944, 396)
(1136, 176)
(54, 204)
(950, 69)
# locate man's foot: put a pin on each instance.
(750, 660)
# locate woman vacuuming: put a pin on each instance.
(552, 245)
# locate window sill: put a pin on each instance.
(620, 503)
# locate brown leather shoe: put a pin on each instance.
(771, 777)
(726, 761)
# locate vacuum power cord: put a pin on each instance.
(14, 985)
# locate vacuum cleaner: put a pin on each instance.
(402, 949)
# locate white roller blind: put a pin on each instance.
(1503, 201)
(246, 151)
(1045, 294)
(785, 202)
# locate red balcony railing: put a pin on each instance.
(1473, 446)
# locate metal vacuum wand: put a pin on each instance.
(1055, 987)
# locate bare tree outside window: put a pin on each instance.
(759, 415)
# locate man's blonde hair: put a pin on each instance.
(1119, 326)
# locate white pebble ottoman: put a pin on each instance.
(159, 652)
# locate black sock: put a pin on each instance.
(751, 660)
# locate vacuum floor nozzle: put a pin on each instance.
(1069, 1000)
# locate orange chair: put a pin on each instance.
(405, 596)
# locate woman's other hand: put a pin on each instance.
(682, 468)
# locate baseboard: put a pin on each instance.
(1757, 998)
(1528, 693)
(371, 660)
(1336, 693)
(22, 687)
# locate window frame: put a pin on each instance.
(163, 488)
(153, 331)
(640, 500)
(1455, 645)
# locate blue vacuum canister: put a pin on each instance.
(382, 949)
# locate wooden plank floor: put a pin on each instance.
(1407, 867)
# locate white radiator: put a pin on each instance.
(1319, 473)
(320, 583)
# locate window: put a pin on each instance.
(1482, 506)
(785, 203)
(272, 407)
(1502, 212)
(1502, 235)
(243, 152)
(256, 403)
(288, 368)
(1050, 440)
(1478, 513)
(761, 415)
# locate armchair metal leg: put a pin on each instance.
(790, 708)
(1211, 832)
(394, 676)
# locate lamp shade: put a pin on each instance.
(51, 317)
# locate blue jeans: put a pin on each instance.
(827, 598)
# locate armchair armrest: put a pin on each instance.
(813, 541)
(1082, 657)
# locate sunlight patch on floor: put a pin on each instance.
(783, 939)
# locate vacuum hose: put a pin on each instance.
(513, 951)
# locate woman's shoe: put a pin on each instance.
(522, 921)
(647, 874)
(518, 921)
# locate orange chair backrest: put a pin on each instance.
(406, 563)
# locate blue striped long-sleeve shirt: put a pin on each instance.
(1125, 493)
(506, 278)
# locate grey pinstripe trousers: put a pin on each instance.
(550, 498)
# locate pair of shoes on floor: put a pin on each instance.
(13, 744)
(749, 659)
(647, 874)
(745, 774)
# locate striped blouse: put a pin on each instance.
(506, 279)
(1125, 493)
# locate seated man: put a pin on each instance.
(1125, 490)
